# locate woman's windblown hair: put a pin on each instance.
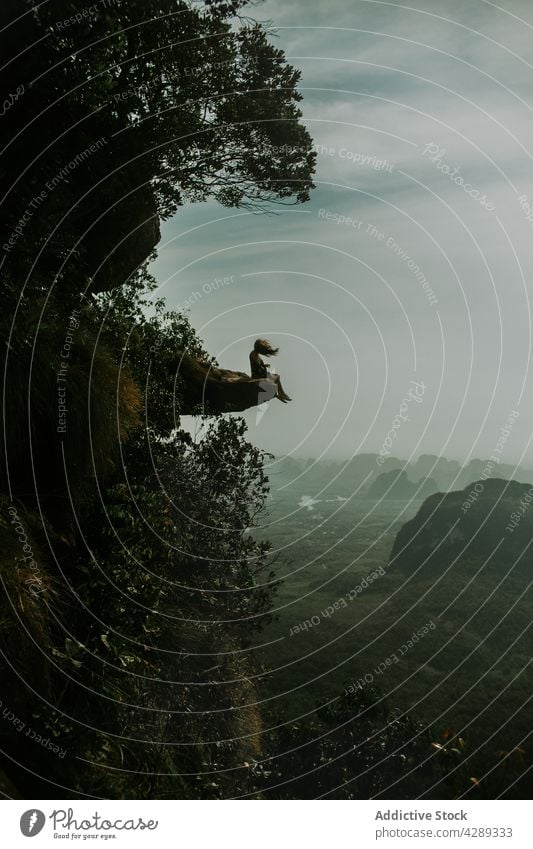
(263, 346)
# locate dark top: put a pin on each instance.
(257, 366)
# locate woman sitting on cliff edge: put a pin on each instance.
(259, 368)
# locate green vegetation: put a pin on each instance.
(134, 567)
(367, 575)
(130, 590)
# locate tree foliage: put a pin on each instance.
(135, 657)
(357, 747)
(127, 110)
(152, 586)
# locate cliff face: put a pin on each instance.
(127, 567)
(121, 239)
(488, 521)
(88, 630)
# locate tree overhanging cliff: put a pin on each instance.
(133, 591)
(125, 114)
(132, 586)
(129, 575)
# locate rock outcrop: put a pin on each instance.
(210, 389)
(490, 522)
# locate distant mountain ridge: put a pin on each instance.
(396, 484)
(356, 476)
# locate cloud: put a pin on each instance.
(350, 311)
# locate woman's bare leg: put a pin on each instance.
(282, 395)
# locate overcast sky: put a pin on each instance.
(430, 281)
